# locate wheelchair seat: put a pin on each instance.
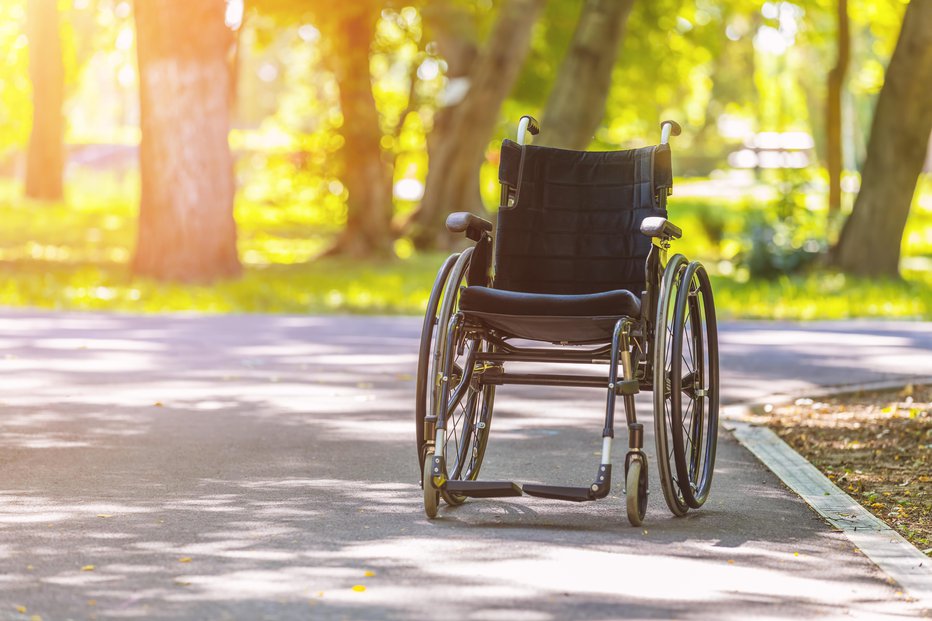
(583, 318)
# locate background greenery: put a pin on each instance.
(75, 255)
(763, 235)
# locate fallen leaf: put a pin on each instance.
(182, 583)
(105, 515)
(369, 574)
(157, 404)
(359, 588)
(87, 568)
(35, 618)
(184, 559)
(21, 610)
(92, 602)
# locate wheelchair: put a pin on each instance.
(581, 274)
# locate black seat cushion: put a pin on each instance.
(577, 319)
(617, 303)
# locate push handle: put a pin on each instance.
(527, 124)
(669, 128)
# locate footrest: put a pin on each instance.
(573, 494)
(483, 489)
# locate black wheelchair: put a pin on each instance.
(581, 275)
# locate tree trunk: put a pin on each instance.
(186, 226)
(870, 240)
(836, 79)
(45, 159)
(453, 171)
(577, 102)
(367, 177)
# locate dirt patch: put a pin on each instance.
(876, 446)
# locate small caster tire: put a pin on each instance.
(636, 491)
(431, 493)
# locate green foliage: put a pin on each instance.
(15, 89)
(76, 256)
(785, 237)
(824, 295)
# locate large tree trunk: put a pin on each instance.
(186, 226)
(836, 79)
(453, 171)
(455, 30)
(367, 177)
(870, 240)
(577, 101)
(45, 160)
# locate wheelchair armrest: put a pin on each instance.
(660, 227)
(474, 226)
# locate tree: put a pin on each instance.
(45, 158)
(869, 244)
(453, 174)
(368, 180)
(577, 101)
(186, 226)
(836, 79)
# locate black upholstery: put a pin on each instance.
(569, 256)
(614, 303)
(575, 226)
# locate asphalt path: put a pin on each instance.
(263, 467)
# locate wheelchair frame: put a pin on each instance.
(677, 292)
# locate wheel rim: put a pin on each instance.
(694, 352)
(663, 364)
(466, 432)
(425, 367)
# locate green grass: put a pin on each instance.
(76, 256)
(824, 295)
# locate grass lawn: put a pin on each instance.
(76, 256)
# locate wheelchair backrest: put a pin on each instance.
(574, 227)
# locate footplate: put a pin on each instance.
(597, 490)
(556, 492)
(483, 489)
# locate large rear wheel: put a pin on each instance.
(694, 386)
(665, 368)
(426, 374)
(468, 422)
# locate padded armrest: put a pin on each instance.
(474, 226)
(660, 227)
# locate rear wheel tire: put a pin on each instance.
(694, 386)
(468, 424)
(664, 329)
(426, 378)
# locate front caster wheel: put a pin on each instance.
(431, 494)
(636, 491)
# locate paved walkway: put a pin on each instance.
(256, 467)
